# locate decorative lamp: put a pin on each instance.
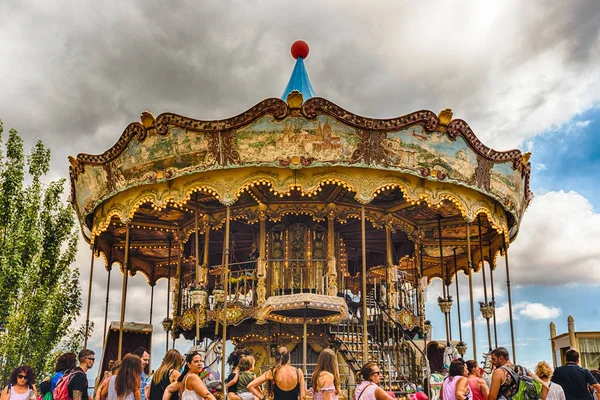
(167, 324)
(219, 294)
(487, 309)
(196, 294)
(461, 347)
(445, 304)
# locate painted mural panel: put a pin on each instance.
(268, 140)
(416, 149)
(435, 154)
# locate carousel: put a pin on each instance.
(299, 223)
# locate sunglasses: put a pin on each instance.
(91, 358)
(377, 373)
(22, 376)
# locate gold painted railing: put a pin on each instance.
(296, 276)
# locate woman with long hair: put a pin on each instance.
(325, 381)
(369, 388)
(189, 383)
(477, 384)
(288, 382)
(167, 373)
(544, 372)
(456, 384)
(125, 385)
(21, 385)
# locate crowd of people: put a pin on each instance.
(126, 380)
(467, 381)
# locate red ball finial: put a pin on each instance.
(300, 49)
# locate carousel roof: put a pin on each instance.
(304, 156)
(299, 80)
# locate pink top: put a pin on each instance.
(368, 388)
(474, 387)
(329, 388)
(449, 388)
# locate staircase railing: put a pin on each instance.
(394, 336)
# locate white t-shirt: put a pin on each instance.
(556, 392)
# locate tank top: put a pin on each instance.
(292, 394)
(449, 388)
(474, 387)
(157, 389)
(112, 391)
(29, 394)
(188, 394)
(365, 391)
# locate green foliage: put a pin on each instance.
(38, 241)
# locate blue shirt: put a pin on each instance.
(55, 379)
(142, 384)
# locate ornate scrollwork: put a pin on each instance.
(370, 149)
(312, 106)
(230, 154)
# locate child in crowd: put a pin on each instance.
(245, 376)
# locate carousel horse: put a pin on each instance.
(487, 367)
(450, 354)
(211, 354)
(435, 385)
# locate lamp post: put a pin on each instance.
(445, 304)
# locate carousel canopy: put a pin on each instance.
(294, 160)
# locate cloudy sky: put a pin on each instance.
(522, 74)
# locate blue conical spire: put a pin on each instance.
(299, 81)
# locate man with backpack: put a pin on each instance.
(513, 382)
(574, 379)
(78, 383)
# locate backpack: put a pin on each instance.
(61, 391)
(529, 387)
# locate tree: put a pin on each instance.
(40, 290)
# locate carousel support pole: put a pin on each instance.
(485, 297)
(510, 314)
(457, 297)
(152, 291)
(389, 269)
(332, 289)
(365, 338)
(261, 288)
(124, 292)
(197, 265)
(107, 296)
(168, 289)
(178, 303)
(493, 296)
(473, 336)
(448, 292)
(89, 300)
(226, 288)
(304, 339)
(444, 287)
